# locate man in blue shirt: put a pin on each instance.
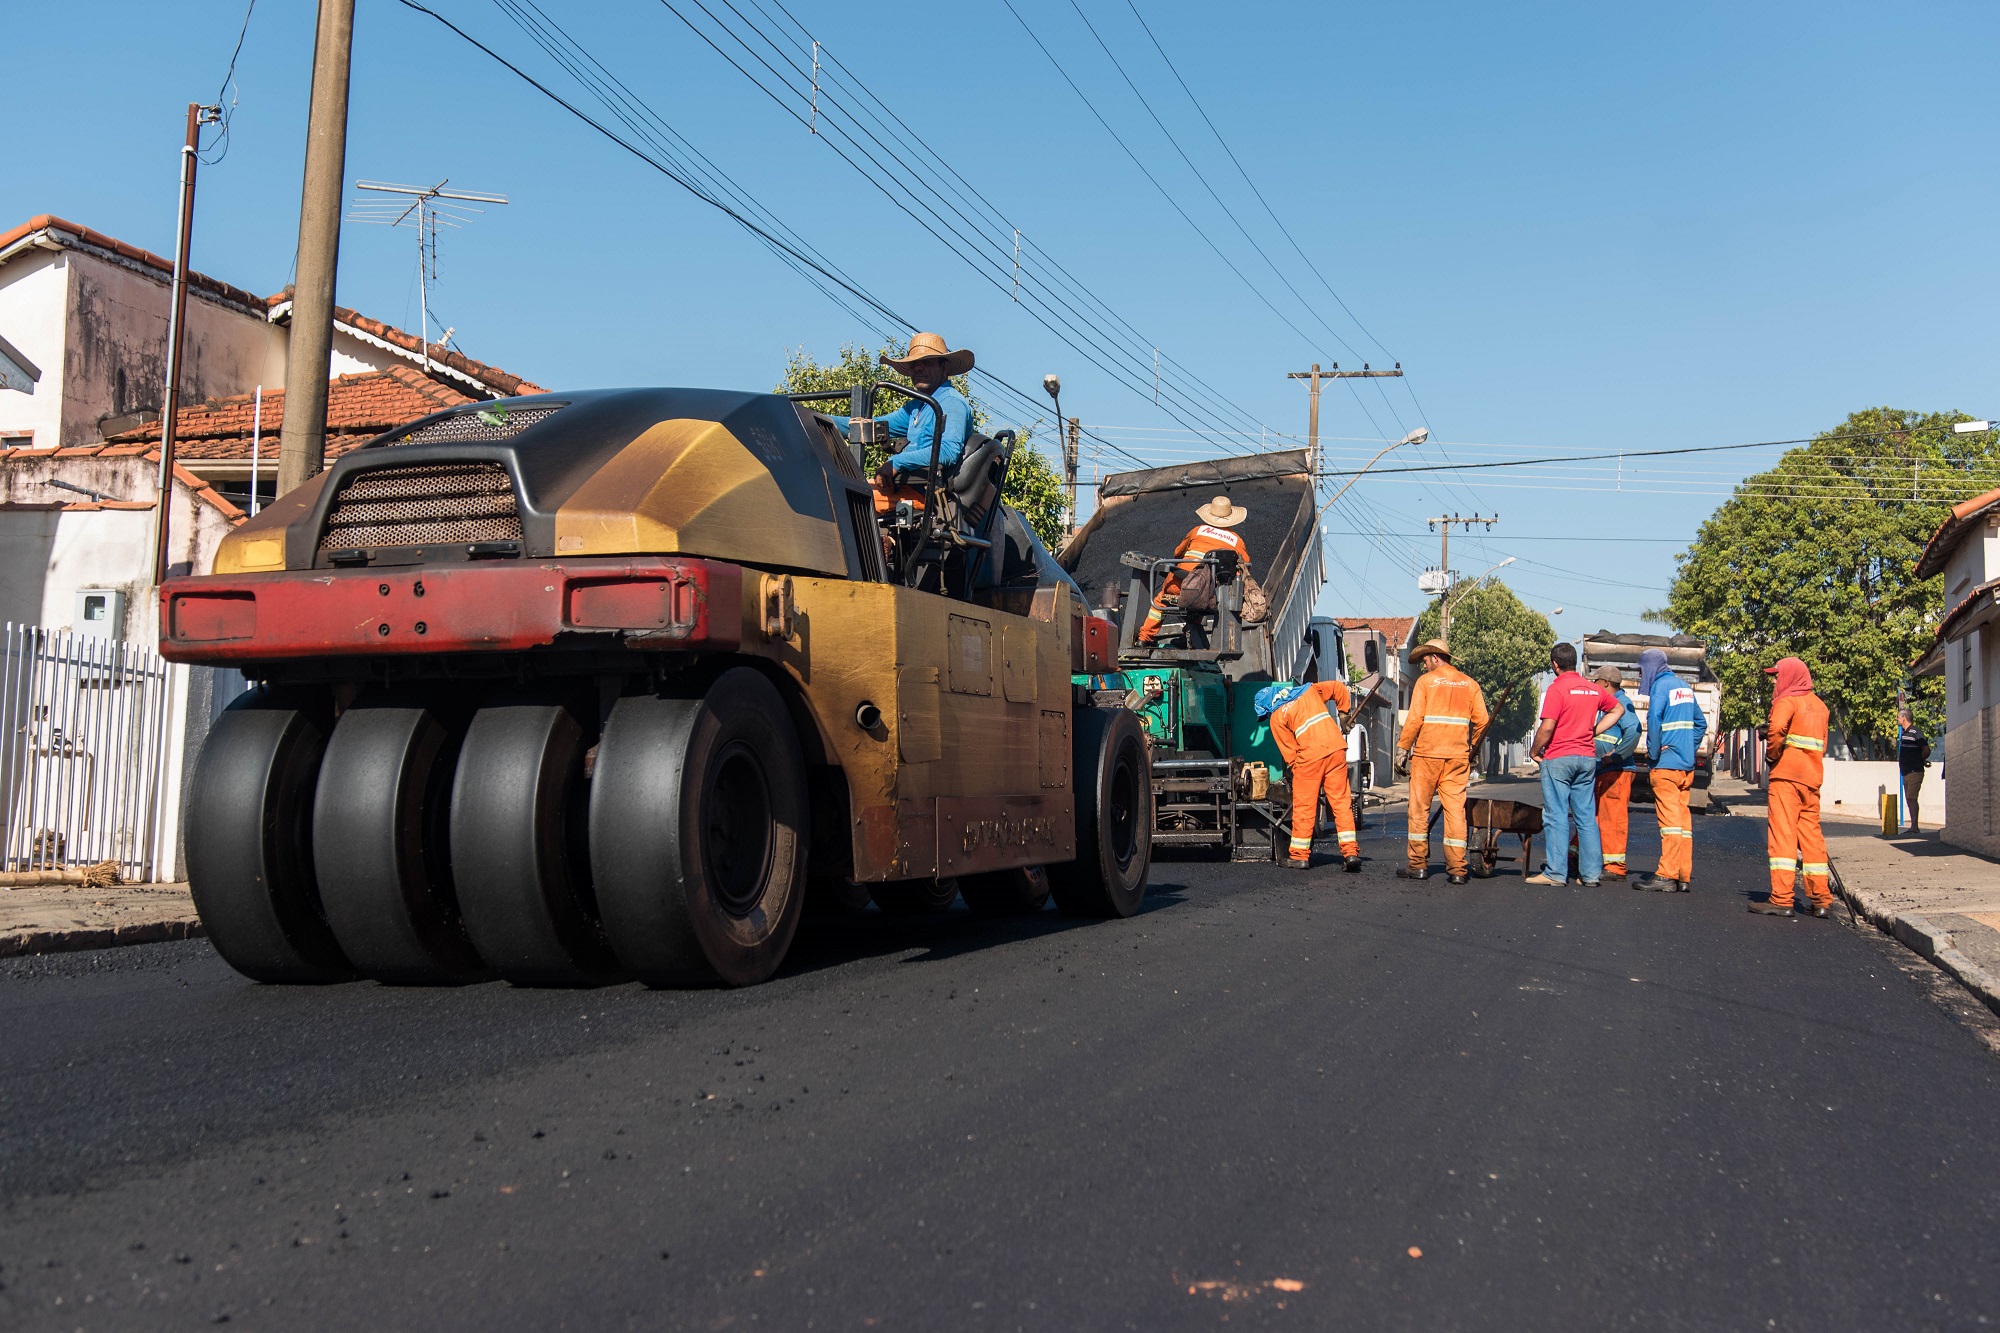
(1675, 726)
(930, 364)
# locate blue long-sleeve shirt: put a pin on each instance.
(1675, 724)
(1614, 735)
(915, 423)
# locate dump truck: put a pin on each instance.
(1688, 657)
(1218, 779)
(575, 688)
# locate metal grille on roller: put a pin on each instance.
(429, 504)
(481, 426)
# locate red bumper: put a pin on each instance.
(502, 606)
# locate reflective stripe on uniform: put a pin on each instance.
(1347, 837)
(1687, 833)
(1297, 843)
(1805, 743)
(1677, 726)
(1313, 721)
(1668, 830)
(1425, 840)
(1815, 868)
(1784, 862)
(1614, 856)
(1448, 721)
(1454, 842)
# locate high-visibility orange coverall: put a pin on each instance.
(1310, 739)
(1447, 720)
(1199, 541)
(1670, 806)
(1795, 745)
(1614, 817)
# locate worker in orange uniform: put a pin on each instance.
(1213, 533)
(1615, 748)
(1795, 745)
(1305, 721)
(1675, 726)
(1447, 720)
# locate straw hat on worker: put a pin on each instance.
(932, 347)
(1220, 513)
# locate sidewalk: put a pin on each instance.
(1942, 902)
(57, 918)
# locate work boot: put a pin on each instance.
(1294, 863)
(1408, 872)
(1654, 884)
(1614, 872)
(1542, 881)
(1771, 909)
(1457, 877)
(1821, 910)
(1352, 865)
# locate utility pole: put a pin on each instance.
(1445, 523)
(1316, 375)
(1072, 457)
(309, 355)
(198, 115)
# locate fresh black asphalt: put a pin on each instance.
(1277, 1100)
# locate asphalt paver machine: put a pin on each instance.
(574, 688)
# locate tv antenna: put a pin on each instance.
(429, 208)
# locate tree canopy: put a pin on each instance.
(1815, 559)
(1501, 642)
(1034, 487)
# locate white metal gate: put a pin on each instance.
(82, 751)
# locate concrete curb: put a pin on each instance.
(1934, 943)
(23, 942)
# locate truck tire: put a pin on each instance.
(516, 823)
(381, 847)
(699, 827)
(1017, 892)
(1114, 817)
(249, 843)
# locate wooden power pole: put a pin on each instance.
(1316, 375)
(1444, 523)
(309, 354)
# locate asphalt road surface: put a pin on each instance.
(1290, 1101)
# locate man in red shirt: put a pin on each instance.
(1573, 711)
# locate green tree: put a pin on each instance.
(1034, 487)
(1815, 559)
(1501, 642)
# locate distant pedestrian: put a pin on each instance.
(1574, 712)
(1447, 720)
(1305, 722)
(1913, 756)
(1795, 745)
(1675, 726)
(1616, 745)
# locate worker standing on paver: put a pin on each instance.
(1615, 748)
(1305, 721)
(1213, 533)
(1675, 726)
(1447, 721)
(1795, 745)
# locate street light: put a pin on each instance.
(1970, 427)
(1417, 436)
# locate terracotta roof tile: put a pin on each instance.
(500, 381)
(1394, 628)
(64, 231)
(1945, 540)
(358, 408)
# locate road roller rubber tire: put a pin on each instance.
(915, 897)
(1017, 892)
(381, 847)
(522, 875)
(1114, 817)
(249, 843)
(699, 827)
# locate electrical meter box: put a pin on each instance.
(100, 612)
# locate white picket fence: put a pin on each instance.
(83, 745)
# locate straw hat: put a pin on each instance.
(1429, 648)
(1222, 514)
(925, 346)
(1608, 675)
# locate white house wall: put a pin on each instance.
(34, 302)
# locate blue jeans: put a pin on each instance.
(1569, 797)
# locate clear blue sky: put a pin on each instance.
(1581, 228)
